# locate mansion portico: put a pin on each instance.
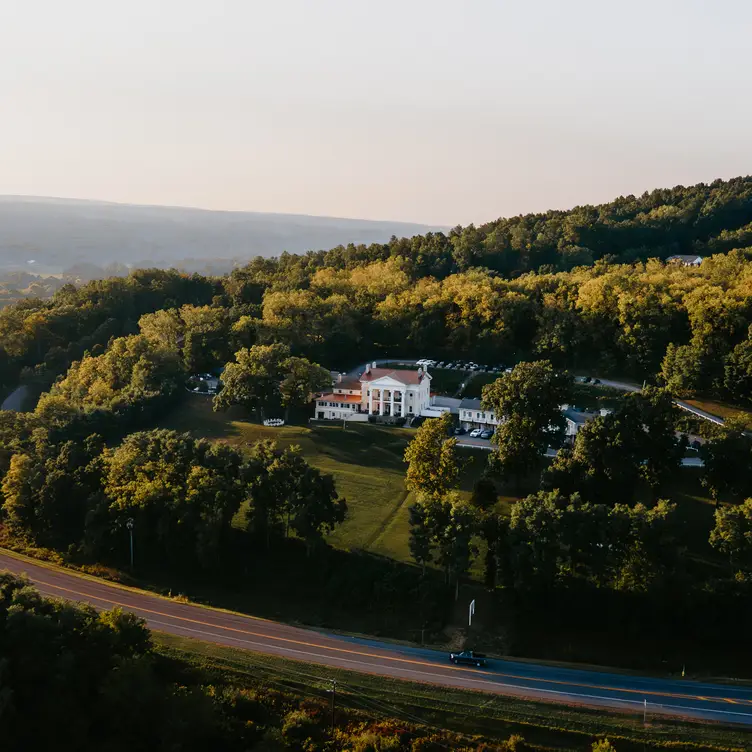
(377, 391)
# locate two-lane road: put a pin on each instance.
(729, 704)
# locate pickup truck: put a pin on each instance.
(468, 658)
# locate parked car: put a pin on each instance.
(487, 434)
(440, 364)
(475, 433)
(596, 381)
(468, 658)
(586, 379)
(507, 370)
(459, 431)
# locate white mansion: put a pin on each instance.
(377, 391)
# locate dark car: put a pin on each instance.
(596, 381)
(468, 658)
(459, 431)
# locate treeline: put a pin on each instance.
(687, 328)
(79, 679)
(178, 493)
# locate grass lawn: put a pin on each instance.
(365, 460)
(545, 725)
(722, 409)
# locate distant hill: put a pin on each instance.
(60, 234)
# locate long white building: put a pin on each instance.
(392, 392)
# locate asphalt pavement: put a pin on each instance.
(700, 701)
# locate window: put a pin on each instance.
(477, 415)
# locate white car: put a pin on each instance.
(475, 433)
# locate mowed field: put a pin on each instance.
(365, 460)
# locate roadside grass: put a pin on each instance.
(722, 409)
(475, 714)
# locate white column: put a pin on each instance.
(381, 401)
(370, 401)
(403, 409)
(391, 401)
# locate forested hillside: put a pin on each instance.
(112, 357)
(688, 327)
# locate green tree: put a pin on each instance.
(433, 465)
(48, 491)
(302, 379)
(728, 462)
(286, 492)
(253, 380)
(738, 371)
(268, 374)
(732, 533)
(181, 493)
(485, 494)
(420, 542)
(527, 402)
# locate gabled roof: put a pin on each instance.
(403, 376)
(470, 404)
(685, 259)
(577, 416)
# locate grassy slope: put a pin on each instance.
(556, 727)
(365, 460)
(722, 409)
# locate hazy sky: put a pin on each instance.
(425, 110)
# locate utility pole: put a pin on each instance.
(334, 700)
(129, 525)
(645, 714)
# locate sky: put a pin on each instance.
(418, 110)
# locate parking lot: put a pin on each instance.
(463, 365)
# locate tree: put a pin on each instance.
(661, 450)
(485, 494)
(433, 465)
(605, 462)
(494, 528)
(286, 492)
(420, 542)
(265, 374)
(48, 490)
(302, 379)
(732, 533)
(181, 493)
(253, 379)
(738, 371)
(316, 507)
(527, 402)
(728, 462)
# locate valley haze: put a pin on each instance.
(49, 235)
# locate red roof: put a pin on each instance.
(402, 375)
(351, 398)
